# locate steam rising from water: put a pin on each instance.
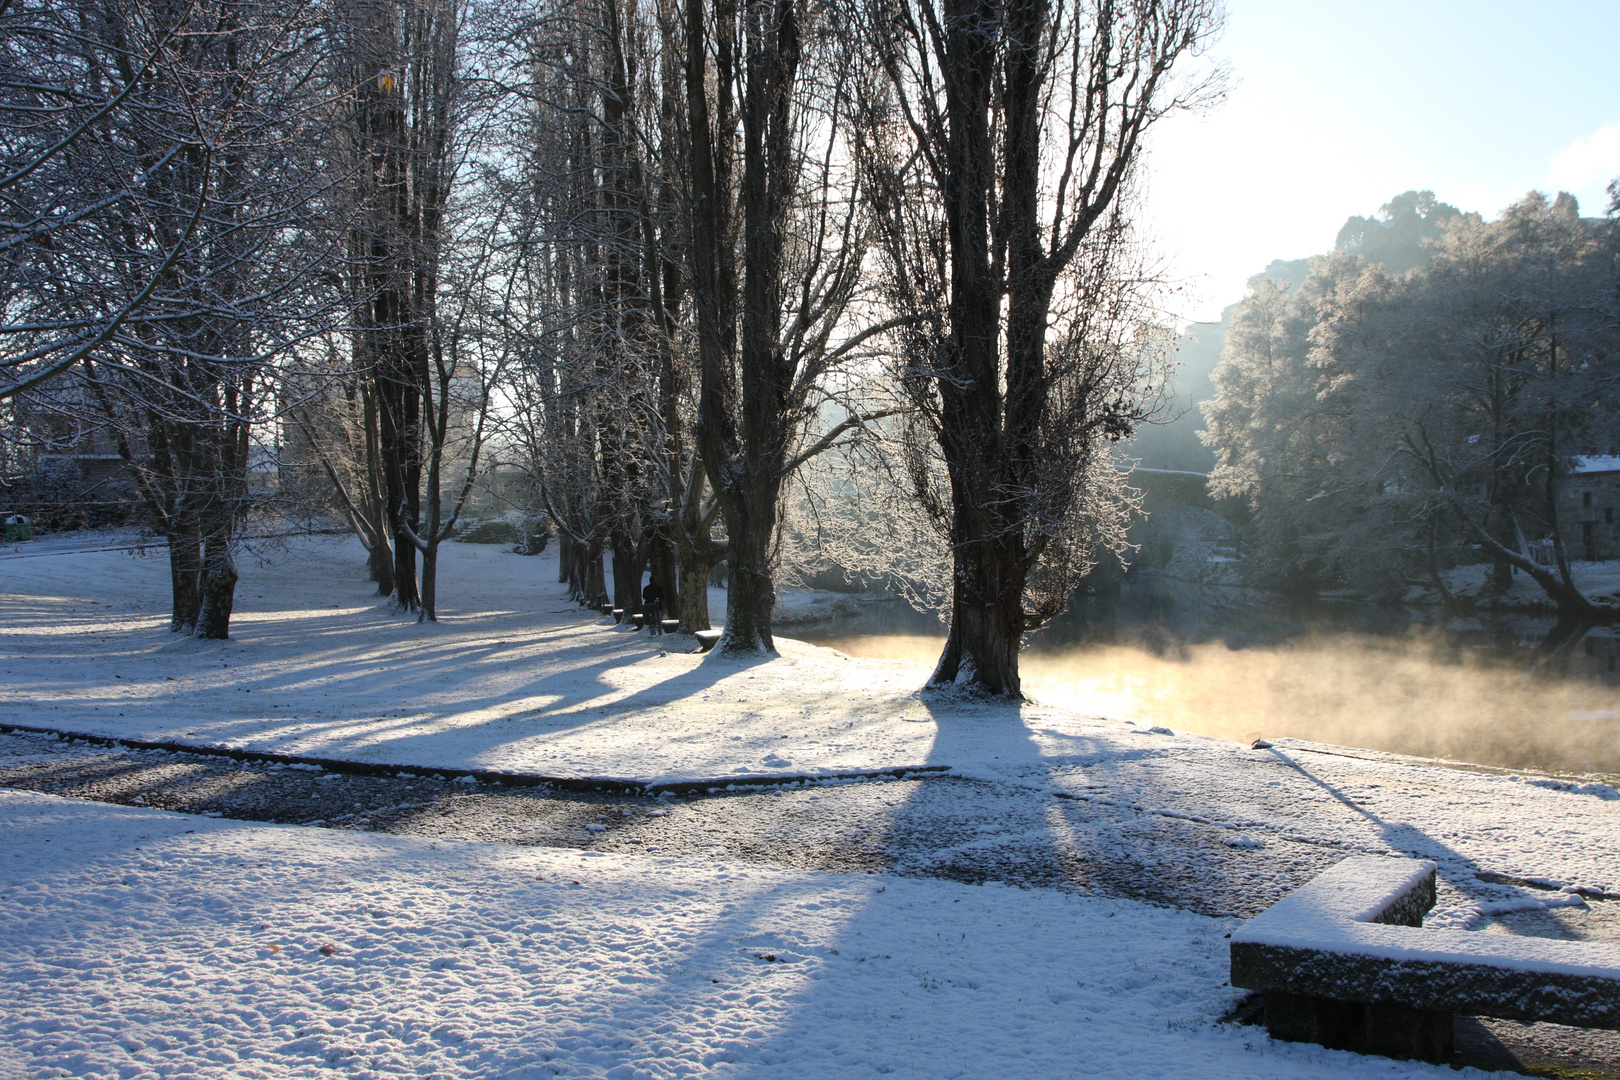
(1404, 696)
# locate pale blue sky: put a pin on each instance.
(1336, 107)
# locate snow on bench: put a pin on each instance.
(1346, 962)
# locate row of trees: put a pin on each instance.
(1411, 408)
(659, 257)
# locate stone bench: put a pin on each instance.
(1345, 961)
(706, 639)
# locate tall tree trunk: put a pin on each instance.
(430, 583)
(987, 620)
(626, 572)
(751, 593)
(577, 575)
(430, 535)
(219, 576)
(694, 596)
(399, 429)
(698, 556)
(406, 594)
(185, 574)
(565, 561)
(406, 591)
(380, 557)
(593, 578)
(380, 565)
(662, 569)
(227, 444)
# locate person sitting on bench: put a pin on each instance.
(652, 606)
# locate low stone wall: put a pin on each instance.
(1345, 961)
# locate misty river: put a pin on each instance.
(1513, 691)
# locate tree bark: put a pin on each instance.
(593, 578)
(987, 621)
(219, 576)
(751, 593)
(697, 559)
(663, 568)
(565, 562)
(379, 557)
(627, 566)
(185, 573)
(430, 583)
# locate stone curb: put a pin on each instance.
(487, 776)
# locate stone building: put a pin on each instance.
(1587, 505)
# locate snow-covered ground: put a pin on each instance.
(1600, 581)
(514, 678)
(123, 934)
(142, 943)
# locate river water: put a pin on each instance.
(1512, 691)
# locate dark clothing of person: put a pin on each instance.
(652, 608)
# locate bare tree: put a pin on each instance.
(583, 390)
(778, 241)
(63, 81)
(605, 393)
(333, 425)
(1001, 145)
(397, 65)
(217, 244)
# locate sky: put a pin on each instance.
(1334, 108)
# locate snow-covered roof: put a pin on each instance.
(1594, 463)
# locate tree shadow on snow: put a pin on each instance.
(1162, 822)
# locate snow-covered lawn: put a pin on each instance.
(513, 677)
(142, 943)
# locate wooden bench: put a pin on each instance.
(1345, 961)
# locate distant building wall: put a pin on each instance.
(1588, 506)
